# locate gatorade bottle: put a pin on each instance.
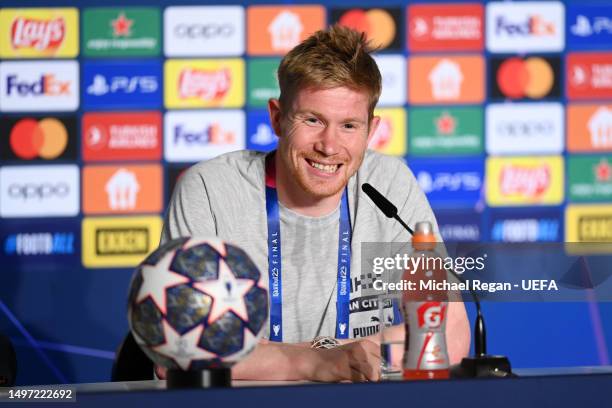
(425, 355)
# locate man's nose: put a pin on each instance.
(327, 143)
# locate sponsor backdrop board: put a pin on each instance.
(503, 110)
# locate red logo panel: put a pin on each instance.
(121, 136)
(589, 75)
(445, 27)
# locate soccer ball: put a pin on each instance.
(196, 304)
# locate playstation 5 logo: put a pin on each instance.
(122, 84)
(263, 136)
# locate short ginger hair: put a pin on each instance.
(328, 59)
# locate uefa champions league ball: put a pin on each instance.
(196, 304)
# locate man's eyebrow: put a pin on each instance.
(320, 115)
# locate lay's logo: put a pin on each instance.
(35, 33)
(528, 182)
(208, 85)
(39, 34)
(204, 83)
(524, 180)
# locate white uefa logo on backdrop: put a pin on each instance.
(39, 86)
(393, 71)
(204, 31)
(524, 128)
(191, 136)
(39, 191)
(531, 26)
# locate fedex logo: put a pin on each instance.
(122, 84)
(39, 86)
(47, 85)
(533, 25)
(194, 136)
(529, 26)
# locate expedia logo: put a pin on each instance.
(206, 31)
(593, 228)
(122, 241)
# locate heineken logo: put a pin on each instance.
(122, 26)
(446, 124)
(603, 171)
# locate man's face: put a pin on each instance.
(323, 137)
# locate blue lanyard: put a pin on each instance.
(274, 261)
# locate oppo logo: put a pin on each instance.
(203, 30)
(40, 191)
(530, 128)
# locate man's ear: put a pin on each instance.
(274, 110)
(373, 126)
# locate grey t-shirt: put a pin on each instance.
(225, 197)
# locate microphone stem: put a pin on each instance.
(398, 219)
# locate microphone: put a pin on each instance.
(482, 365)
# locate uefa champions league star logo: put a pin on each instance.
(342, 327)
(276, 329)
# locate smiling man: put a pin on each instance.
(303, 204)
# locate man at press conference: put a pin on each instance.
(309, 189)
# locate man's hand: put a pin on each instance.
(357, 361)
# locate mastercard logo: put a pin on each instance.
(378, 25)
(46, 138)
(532, 77)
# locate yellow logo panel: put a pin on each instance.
(212, 83)
(39, 33)
(588, 223)
(390, 137)
(118, 242)
(516, 181)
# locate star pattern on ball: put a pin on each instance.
(183, 349)
(227, 292)
(156, 279)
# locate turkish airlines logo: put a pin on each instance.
(121, 136)
(208, 85)
(126, 189)
(38, 33)
(589, 75)
(525, 26)
(445, 27)
(39, 191)
(529, 182)
(35, 86)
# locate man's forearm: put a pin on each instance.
(275, 361)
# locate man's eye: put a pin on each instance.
(312, 121)
(350, 126)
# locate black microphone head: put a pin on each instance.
(381, 201)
